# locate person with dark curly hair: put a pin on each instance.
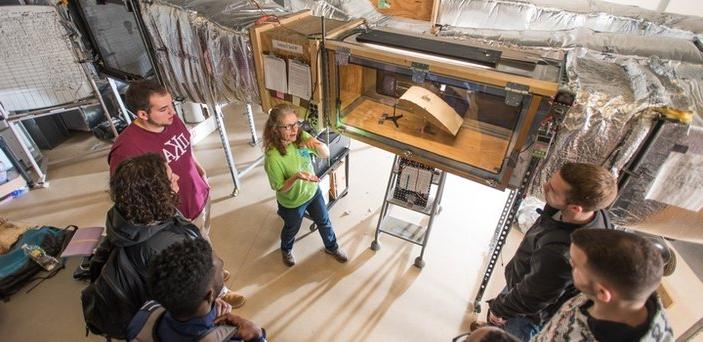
(290, 173)
(184, 281)
(143, 222)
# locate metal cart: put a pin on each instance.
(339, 153)
(401, 229)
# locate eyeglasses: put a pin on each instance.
(291, 126)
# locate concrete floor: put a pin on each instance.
(375, 296)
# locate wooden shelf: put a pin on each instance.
(481, 150)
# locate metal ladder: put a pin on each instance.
(401, 229)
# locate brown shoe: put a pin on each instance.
(288, 258)
(225, 275)
(338, 254)
(234, 299)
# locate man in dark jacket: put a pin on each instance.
(538, 277)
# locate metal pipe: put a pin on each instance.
(40, 175)
(251, 166)
(663, 4)
(118, 98)
(106, 113)
(252, 128)
(324, 75)
(219, 119)
(55, 110)
(435, 208)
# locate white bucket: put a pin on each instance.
(192, 112)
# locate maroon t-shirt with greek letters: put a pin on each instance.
(174, 144)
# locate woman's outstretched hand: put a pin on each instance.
(307, 176)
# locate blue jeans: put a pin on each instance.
(293, 218)
(522, 328)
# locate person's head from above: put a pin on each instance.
(144, 189)
(490, 334)
(186, 278)
(282, 127)
(579, 188)
(612, 266)
(151, 103)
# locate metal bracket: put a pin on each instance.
(419, 71)
(514, 93)
(342, 56)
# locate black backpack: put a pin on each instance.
(107, 308)
(17, 269)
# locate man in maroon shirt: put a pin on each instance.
(158, 129)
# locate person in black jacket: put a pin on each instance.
(143, 222)
(538, 277)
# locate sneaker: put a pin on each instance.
(234, 299)
(338, 254)
(225, 275)
(288, 258)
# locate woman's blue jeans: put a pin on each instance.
(293, 218)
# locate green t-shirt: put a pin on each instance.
(279, 168)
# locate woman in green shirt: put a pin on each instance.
(289, 169)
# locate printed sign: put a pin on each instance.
(285, 46)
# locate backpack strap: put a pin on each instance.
(219, 333)
(146, 333)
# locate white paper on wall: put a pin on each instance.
(275, 73)
(679, 182)
(299, 79)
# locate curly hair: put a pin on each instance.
(272, 137)
(139, 92)
(181, 275)
(142, 191)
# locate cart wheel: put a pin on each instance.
(313, 227)
(375, 245)
(235, 193)
(419, 263)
